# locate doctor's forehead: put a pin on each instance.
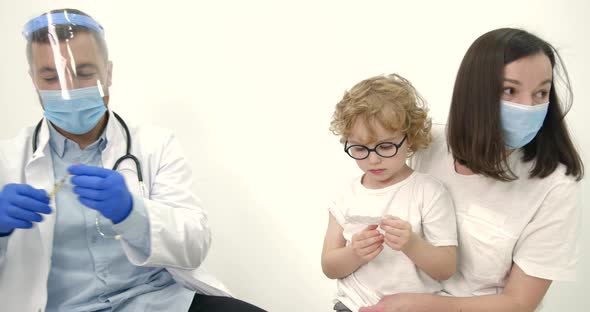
(81, 49)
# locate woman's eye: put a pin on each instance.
(508, 91)
(542, 94)
(358, 149)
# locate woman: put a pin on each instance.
(513, 172)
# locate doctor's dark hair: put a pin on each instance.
(65, 32)
(474, 131)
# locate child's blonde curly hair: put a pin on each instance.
(390, 100)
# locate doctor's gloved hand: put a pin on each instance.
(20, 206)
(103, 190)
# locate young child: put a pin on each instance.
(391, 230)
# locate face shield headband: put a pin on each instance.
(63, 18)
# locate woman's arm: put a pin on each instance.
(522, 293)
(339, 260)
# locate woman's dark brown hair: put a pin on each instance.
(474, 131)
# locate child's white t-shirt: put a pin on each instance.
(420, 200)
(531, 222)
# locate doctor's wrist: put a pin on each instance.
(125, 212)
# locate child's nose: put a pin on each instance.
(374, 158)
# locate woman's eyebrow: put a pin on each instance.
(514, 81)
(548, 81)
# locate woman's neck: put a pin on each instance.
(462, 169)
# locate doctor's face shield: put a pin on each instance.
(67, 51)
(69, 65)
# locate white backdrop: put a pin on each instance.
(249, 87)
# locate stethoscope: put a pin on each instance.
(127, 155)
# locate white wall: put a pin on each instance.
(249, 87)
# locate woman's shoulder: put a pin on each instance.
(427, 186)
(557, 177)
(424, 159)
(439, 133)
(439, 141)
(426, 180)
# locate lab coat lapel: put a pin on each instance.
(39, 174)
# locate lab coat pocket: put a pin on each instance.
(485, 247)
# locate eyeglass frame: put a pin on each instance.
(374, 149)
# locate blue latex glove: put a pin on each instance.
(20, 206)
(103, 190)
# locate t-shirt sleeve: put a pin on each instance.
(548, 246)
(335, 209)
(439, 222)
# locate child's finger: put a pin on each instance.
(393, 243)
(375, 252)
(388, 221)
(365, 234)
(386, 228)
(396, 223)
(369, 248)
(370, 241)
(393, 232)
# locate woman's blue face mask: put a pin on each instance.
(520, 123)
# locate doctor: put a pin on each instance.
(123, 232)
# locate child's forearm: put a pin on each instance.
(439, 263)
(340, 262)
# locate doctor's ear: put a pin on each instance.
(36, 89)
(32, 77)
(109, 73)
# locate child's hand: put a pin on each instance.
(368, 243)
(398, 233)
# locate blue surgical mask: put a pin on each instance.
(75, 111)
(520, 123)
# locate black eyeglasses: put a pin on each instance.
(383, 149)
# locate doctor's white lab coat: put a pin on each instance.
(179, 233)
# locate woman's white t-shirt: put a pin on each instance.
(532, 222)
(420, 200)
